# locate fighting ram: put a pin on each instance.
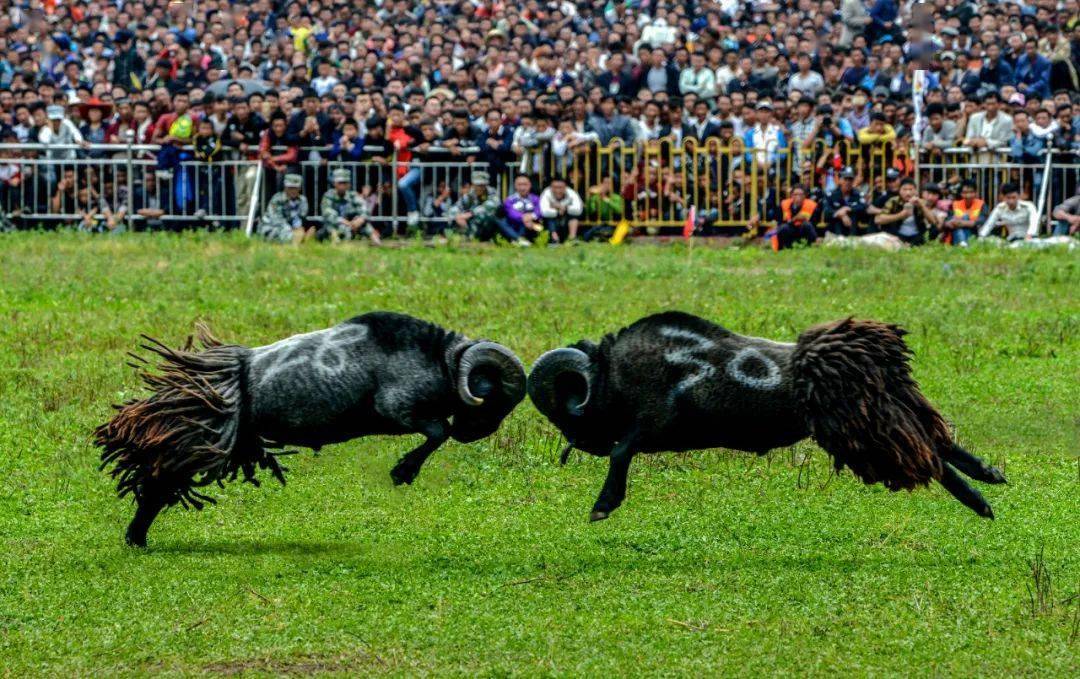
(676, 382)
(212, 414)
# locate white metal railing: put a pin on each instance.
(127, 187)
(36, 188)
(1046, 183)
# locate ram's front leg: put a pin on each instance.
(614, 490)
(405, 471)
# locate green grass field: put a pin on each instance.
(718, 563)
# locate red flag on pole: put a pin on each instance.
(691, 219)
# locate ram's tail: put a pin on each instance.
(864, 408)
(187, 433)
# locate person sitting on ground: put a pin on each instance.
(283, 220)
(95, 215)
(476, 213)
(604, 206)
(935, 199)
(845, 207)
(968, 214)
(1068, 217)
(522, 213)
(344, 213)
(797, 216)
(1019, 217)
(561, 208)
(884, 188)
(906, 216)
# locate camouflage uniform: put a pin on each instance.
(282, 216)
(335, 208)
(482, 223)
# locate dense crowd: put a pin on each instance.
(532, 88)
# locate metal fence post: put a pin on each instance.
(394, 191)
(254, 202)
(1044, 189)
(129, 135)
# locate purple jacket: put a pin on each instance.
(516, 207)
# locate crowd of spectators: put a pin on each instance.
(529, 86)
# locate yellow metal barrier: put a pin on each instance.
(733, 188)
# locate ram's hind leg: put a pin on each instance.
(405, 471)
(962, 491)
(148, 508)
(972, 465)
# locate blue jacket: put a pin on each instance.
(997, 74)
(884, 11)
(1035, 75)
(1027, 149)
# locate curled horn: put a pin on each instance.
(545, 376)
(490, 354)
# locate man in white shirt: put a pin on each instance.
(60, 132)
(765, 138)
(808, 83)
(561, 208)
(728, 71)
(1019, 217)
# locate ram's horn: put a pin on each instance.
(511, 373)
(548, 378)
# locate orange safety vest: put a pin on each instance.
(806, 210)
(970, 211)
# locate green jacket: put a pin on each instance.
(605, 209)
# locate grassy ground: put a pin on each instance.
(718, 562)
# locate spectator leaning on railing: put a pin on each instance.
(940, 133)
(988, 130)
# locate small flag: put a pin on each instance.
(691, 222)
(621, 229)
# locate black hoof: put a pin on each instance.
(599, 515)
(135, 541)
(996, 476)
(402, 476)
